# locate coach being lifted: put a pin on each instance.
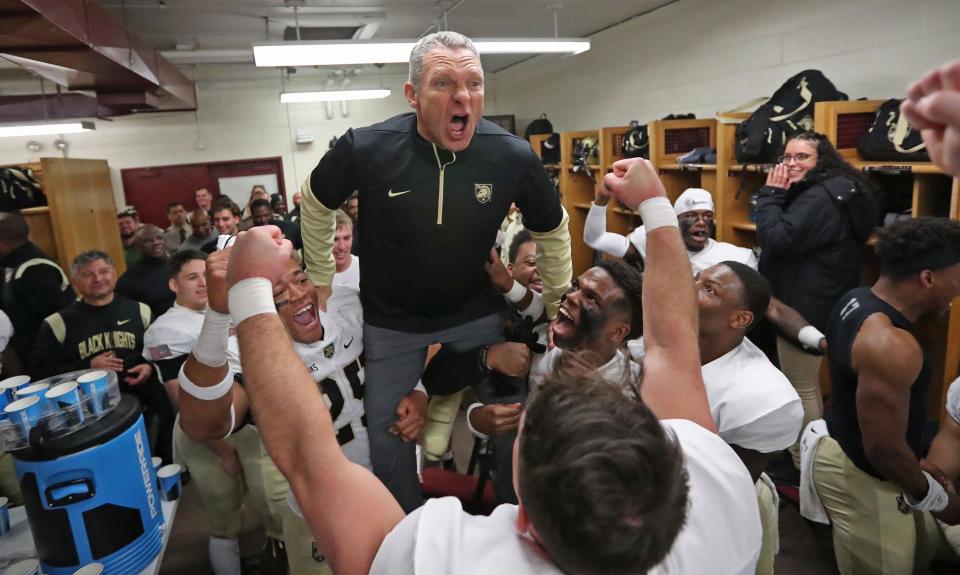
(433, 186)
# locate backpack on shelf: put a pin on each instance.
(762, 136)
(892, 138)
(636, 142)
(539, 126)
(550, 149)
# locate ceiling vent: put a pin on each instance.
(311, 33)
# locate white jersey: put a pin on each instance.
(6, 330)
(721, 536)
(712, 253)
(350, 277)
(336, 365)
(174, 334)
(953, 400)
(614, 371)
(752, 402)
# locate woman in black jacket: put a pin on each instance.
(813, 216)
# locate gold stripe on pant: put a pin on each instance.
(222, 494)
(770, 522)
(803, 371)
(441, 415)
(9, 486)
(303, 557)
(870, 534)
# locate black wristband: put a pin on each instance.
(482, 360)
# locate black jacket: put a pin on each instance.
(69, 339)
(430, 217)
(34, 287)
(811, 251)
(148, 281)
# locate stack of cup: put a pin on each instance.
(94, 385)
(65, 397)
(8, 387)
(4, 515)
(169, 478)
(25, 567)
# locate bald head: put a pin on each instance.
(14, 231)
(149, 240)
(200, 222)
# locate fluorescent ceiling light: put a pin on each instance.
(45, 129)
(336, 53)
(332, 96)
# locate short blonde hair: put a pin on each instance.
(343, 220)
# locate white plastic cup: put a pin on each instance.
(90, 569)
(4, 515)
(24, 413)
(94, 385)
(25, 567)
(65, 397)
(169, 478)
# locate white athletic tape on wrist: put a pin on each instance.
(211, 346)
(206, 393)
(470, 426)
(233, 421)
(810, 337)
(936, 499)
(535, 309)
(251, 296)
(516, 293)
(657, 213)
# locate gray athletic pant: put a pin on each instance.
(393, 364)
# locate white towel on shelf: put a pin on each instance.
(810, 506)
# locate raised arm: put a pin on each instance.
(596, 236)
(933, 107)
(672, 384)
(348, 509)
(201, 418)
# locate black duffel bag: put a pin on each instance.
(636, 142)
(550, 150)
(539, 126)
(762, 136)
(892, 138)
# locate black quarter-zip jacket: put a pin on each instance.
(430, 217)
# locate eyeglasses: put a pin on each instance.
(798, 158)
(692, 217)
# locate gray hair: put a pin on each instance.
(83, 258)
(436, 41)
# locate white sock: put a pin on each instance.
(224, 556)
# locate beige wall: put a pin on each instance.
(703, 56)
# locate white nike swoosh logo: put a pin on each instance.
(392, 194)
(121, 322)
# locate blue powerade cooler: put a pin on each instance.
(91, 495)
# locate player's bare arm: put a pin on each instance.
(887, 361)
(348, 509)
(672, 381)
